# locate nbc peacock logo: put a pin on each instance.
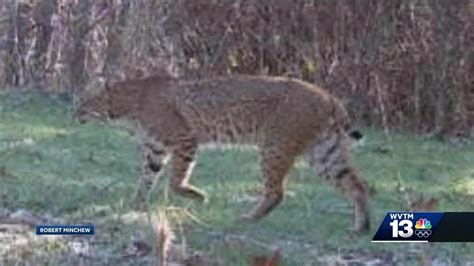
(423, 227)
(423, 223)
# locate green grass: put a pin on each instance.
(54, 167)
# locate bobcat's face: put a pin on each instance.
(95, 108)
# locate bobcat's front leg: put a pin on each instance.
(182, 164)
(153, 158)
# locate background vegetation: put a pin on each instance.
(398, 63)
(403, 67)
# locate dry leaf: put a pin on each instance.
(274, 260)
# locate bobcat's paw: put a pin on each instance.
(199, 196)
(249, 218)
(139, 204)
(361, 227)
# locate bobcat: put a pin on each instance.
(282, 117)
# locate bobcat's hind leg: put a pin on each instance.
(182, 163)
(153, 158)
(331, 159)
(353, 186)
(275, 164)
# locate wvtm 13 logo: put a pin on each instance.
(426, 227)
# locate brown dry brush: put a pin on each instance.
(274, 260)
(416, 56)
(164, 236)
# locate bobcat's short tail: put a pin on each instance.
(355, 134)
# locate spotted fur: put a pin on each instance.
(283, 118)
(154, 157)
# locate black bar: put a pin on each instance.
(455, 227)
